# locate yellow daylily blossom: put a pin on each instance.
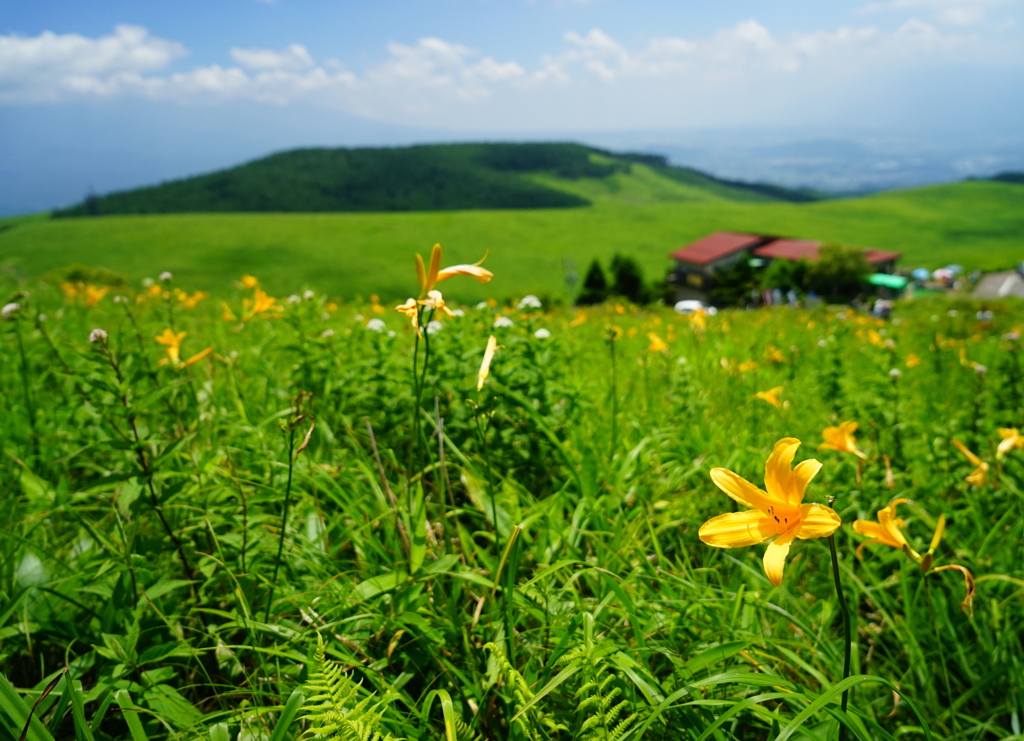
(172, 341)
(979, 476)
(412, 310)
(581, 316)
(1011, 439)
(190, 301)
(886, 531)
(434, 274)
(657, 344)
(771, 396)
(249, 281)
(841, 438)
(777, 513)
(226, 313)
(261, 303)
(748, 366)
(435, 300)
(913, 361)
(485, 364)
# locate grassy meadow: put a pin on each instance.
(644, 214)
(269, 518)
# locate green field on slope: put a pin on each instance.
(978, 224)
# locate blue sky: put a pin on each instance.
(113, 94)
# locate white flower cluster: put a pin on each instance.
(376, 325)
(503, 321)
(9, 310)
(529, 302)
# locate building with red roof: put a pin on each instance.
(696, 263)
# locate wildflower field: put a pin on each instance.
(255, 517)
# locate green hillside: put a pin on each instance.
(978, 224)
(438, 177)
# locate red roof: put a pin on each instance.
(715, 247)
(790, 249)
(877, 256)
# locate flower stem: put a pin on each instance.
(848, 637)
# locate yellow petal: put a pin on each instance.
(775, 557)
(869, 528)
(435, 265)
(968, 454)
(483, 275)
(421, 273)
(777, 470)
(485, 366)
(801, 477)
(817, 521)
(198, 356)
(740, 489)
(736, 529)
(940, 528)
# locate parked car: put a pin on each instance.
(692, 305)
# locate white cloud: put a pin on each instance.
(593, 80)
(49, 66)
(951, 12)
(294, 57)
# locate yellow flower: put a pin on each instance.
(249, 281)
(435, 301)
(190, 302)
(261, 303)
(777, 513)
(774, 355)
(771, 396)
(874, 338)
(226, 313)
(698, 321)
(93, 294)
(434, 274)
(841, 438)
(979, 476)
(614, 332)
(70, 289)
(657, 344)
(1011, 439)
(886, 531)
(581, 316)
(172, 341)
(412, 310)
(485, 364)
(747, 366)
(913, 361)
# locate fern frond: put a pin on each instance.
(333, 710)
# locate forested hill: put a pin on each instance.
(434, 177)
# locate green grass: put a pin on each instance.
(977, 224)
(170, 538)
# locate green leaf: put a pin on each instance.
(288, 714)
(131, 715)
(378, 584)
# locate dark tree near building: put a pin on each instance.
(595, 286)
(628, 279)
(839, 272)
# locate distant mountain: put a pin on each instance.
(1009, 177)
(435, 177)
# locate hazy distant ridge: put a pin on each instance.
(436, 177)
